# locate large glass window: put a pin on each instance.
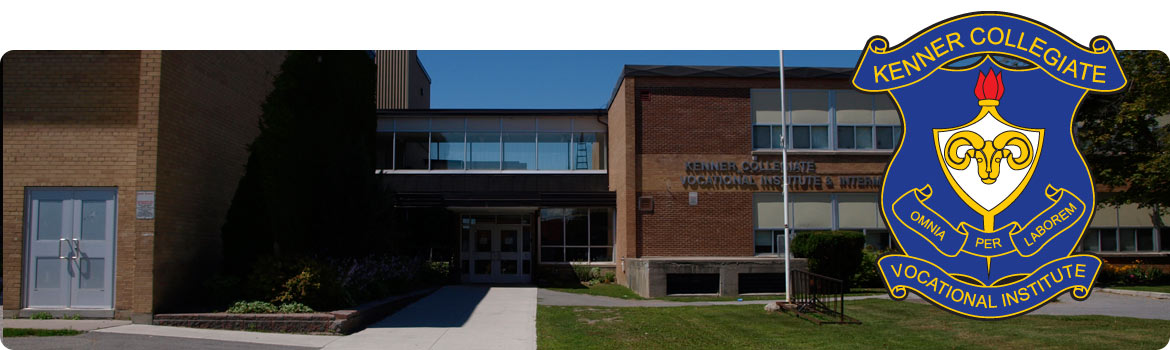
(490, 143)
(576, 235)
(520, 151)
(483, 150)
(553, 151)
(447, 150)
(588, 150)
(411, 150)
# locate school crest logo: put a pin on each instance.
(987, 193)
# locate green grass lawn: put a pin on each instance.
(886, 324)
(1160, 289)
(619, 291)
(28, 332)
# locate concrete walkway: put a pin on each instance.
(456, 317)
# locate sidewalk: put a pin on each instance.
(456, 317)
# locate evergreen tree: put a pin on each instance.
(309, 186)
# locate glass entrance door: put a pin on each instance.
(498, 253)
(70, 263)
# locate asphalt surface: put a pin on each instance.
(114, 341)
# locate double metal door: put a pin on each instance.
(499, 254)
(70, 248)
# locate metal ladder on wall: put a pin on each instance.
(582, 155)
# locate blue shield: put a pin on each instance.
(987, 193)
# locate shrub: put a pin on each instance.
(41, 316)
(309, 281)
(1138, 274)
(867, 274)
(294, 308)
(610, 277)
(436, 272)
(252, 307)
(835, 254)
(582, 271)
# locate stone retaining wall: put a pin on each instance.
(339, 322)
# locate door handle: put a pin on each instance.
(59, 255)
(77, 248)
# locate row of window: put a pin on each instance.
(1126, 239)
(817, 137)
(491, 143)
(817, 211)
(553, 151)
(824, 119)
(1113, 229)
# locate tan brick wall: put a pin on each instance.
(173, 122)
(622, 175)
(70, 119)
(210, 108)
(149, 82)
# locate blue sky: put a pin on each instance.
(574, 79)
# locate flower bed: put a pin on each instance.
(343, 321)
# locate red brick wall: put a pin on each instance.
(70, 119)
(694, 118)
(720, 225)
(210, 109)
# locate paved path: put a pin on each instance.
(456, 317)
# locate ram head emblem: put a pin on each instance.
(965, 146)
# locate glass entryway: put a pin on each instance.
(70, 248)
(496, 248)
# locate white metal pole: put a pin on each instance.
(784, 172)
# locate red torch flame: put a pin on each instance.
(990, 86)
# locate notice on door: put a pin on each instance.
(144, 208)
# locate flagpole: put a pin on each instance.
(784, 172)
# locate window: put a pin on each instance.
(447, 150)
(824, 119)
(1123, 229)
(576, 235)
(558, 144)
(816, 212)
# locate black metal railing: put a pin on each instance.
(819, 298)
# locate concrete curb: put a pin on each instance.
(79, 325)
(1136, 293)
